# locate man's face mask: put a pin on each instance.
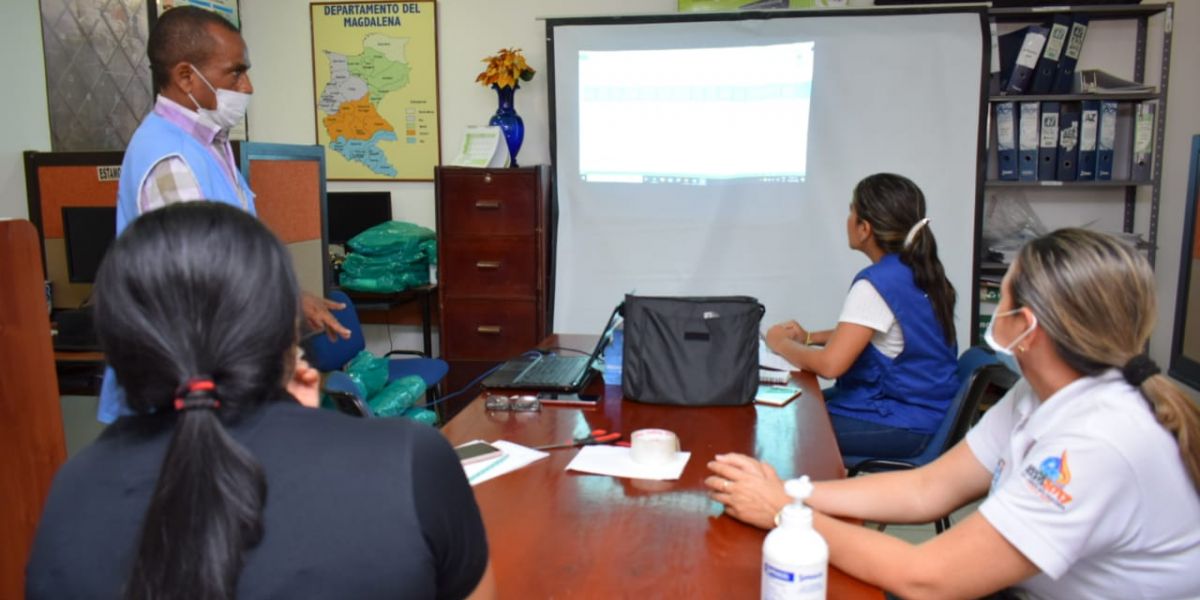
(231, 106)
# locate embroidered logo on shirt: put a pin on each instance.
(1049, 478)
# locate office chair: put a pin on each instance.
(344, 392)
(981, 376)
(327, 356)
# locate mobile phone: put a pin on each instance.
(477, 451)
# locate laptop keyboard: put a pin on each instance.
(557, 371)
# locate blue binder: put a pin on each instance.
(1047, 65)
(1006, 140)
(1048, 142)
(1070, 56)
(1089, 119)
(1106, 137)
(1068, 143)
(1031, 49)
(1027, 141)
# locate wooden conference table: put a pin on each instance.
(559, 534)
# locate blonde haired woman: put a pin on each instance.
(1091, 464)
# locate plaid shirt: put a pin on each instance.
(171, 179)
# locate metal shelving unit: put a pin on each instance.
(1141, 15)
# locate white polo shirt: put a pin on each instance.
(1091, 489)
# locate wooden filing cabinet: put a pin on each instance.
(493, 233)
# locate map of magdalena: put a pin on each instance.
(350, 101)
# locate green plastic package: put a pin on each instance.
(397, 396)
(392, 238)
(422, 415)
(369, 373)
(389, 257)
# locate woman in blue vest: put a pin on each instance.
(893, 352)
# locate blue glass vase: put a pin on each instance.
(507, 119)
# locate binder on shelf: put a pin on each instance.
(1143, 142)
(1046, 72)
(1027, 59)
(1006, 141)
(1070, 56)
(1008, 46)
(1106, 136)
(1068, 143)
(1048, 142)
(1027, 142)
(1089, 118)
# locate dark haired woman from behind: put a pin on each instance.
(893, 351)
(222, 485)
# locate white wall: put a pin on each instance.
(25, 117)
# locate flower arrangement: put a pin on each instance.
(505, 68)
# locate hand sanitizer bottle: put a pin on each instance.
(795, 556)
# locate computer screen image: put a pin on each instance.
(700, 115)
(88, 231)
(350, 213)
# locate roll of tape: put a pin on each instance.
(653, 446)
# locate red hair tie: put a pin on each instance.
(198, 392)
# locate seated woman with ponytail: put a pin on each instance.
(893, 351)
(222, 485)
(1090, 465)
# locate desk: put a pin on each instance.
(557, 534)
(366, 301)
(79, 373)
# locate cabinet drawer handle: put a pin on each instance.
(488, 329)
(487, 264)
(487, 204)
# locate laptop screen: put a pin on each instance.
(614, 321)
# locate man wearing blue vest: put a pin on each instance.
(181, 151)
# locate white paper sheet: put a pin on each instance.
(515, 456)
(617, 462)
(482, 147)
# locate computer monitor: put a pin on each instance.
(87, 231)
(349, 213)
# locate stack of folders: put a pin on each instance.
(1069, 141)
(1053, 140)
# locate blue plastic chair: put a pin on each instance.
(981, 375)
(332, 355)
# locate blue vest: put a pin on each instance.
(155, 139)
(913, 390)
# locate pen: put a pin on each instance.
(490, 466)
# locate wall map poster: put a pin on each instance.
(375, 77)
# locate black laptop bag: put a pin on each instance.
(691, 351)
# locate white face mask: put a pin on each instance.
(231, 106)
(1005, 353)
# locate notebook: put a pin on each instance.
(552, 372)
(769, 376)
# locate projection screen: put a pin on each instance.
(712, 155)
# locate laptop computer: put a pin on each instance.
(552, 372)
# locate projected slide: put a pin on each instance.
(698, 116)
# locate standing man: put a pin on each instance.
(181, 151)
